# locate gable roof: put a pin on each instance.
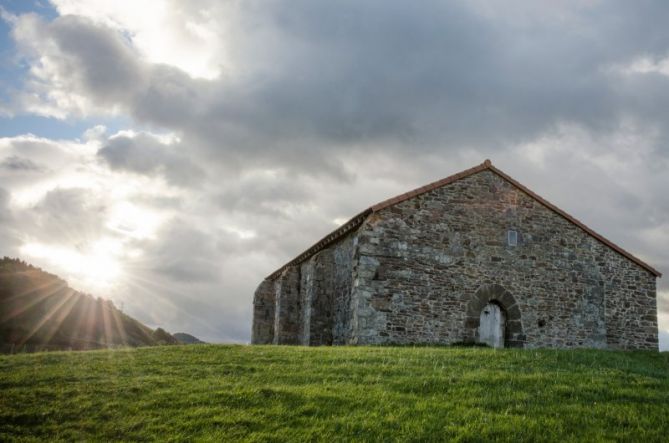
(357, 220)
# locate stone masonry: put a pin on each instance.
(421, 267)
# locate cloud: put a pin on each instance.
(165, 32)
(16, 163)
(186, 254)
(664, 341)
(30, 165)
(146, 154)
(75, 66)
(5, 214)
(265, 192)
(73, 212)
(303, 90)
(8, 235)
(663, 302)
(194, 276)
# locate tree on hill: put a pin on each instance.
(187, 339)
(162, 337)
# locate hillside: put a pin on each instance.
(187, 339)
(39, 311)
(265, 393)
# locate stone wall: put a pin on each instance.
(310, 303)
(317, 293)
(631, 305)
(287, 318)
(263, 314)
(344, 252)
(421, 263)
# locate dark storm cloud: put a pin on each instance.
(100, 62)
(320, 78)
(442, 72)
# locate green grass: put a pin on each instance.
(265, 393)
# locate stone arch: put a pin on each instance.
(513, 331)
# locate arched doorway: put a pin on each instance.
(507, 325)
(492, 323)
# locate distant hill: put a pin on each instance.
(39, 311)
(187, 339)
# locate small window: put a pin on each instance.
(512, 238)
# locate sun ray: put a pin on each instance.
(83, 326)
(34, 288)
(106, 322)
(118, 322)
(43, 321)
(64, 311)
(151, 288)
(35, 301)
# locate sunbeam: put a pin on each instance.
(47, 316)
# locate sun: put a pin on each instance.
(101, 265)
(94, 268)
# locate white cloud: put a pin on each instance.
(60, 78)
(663, 320)
(183, 35)
(664, 340)
(646, 65)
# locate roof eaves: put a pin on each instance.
(430, 187)
(325, 241)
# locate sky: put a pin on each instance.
(169, 155)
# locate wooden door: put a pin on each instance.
(491, 326)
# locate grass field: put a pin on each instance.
(259, 393)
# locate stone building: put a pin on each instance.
(475, 257)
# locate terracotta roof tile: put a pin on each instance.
(356, 221)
